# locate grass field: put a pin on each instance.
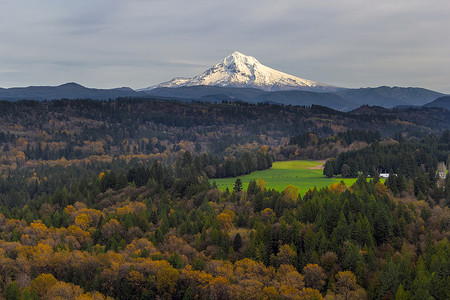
(304, 174)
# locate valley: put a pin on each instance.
(107, 199)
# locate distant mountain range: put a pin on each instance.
(341, 100)
(390, 96)
(239, 77)
(66, 91)
(251, 95)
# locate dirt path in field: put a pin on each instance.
(318, 167)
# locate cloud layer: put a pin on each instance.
(138, 43)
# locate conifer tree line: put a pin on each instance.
(405, 156)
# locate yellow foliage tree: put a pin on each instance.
(381, 189)
(123, 210)
(270, 292)
(69, 209)
(94, 215)
(77, 234)
(287, 275)
(250, 269)
(41, 254)
(347, 287)
(263, 149)
(251, 289)
(225, 218)
(217, 288)
(286, 255)
(63, 290)
(136, 278)
(267, 214)
(166, 279)
(82, 221)
(310, 294)
(93, 296)
(289, 292)
(38, 229)
(291, 193)
(43, 283)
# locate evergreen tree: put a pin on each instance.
(346, 171)
(252, 188)
(237, 242)
(421, 284)
(389, 278)
(13, 292)
(237, 185)
(328, 169)
(401, 294)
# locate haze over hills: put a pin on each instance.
(252, 95)
(240, 70)
(239, 77)
(389, 96)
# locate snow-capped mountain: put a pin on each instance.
(239, 70)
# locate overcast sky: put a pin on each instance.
(139, 43)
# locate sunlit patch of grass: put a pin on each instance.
(284, 173)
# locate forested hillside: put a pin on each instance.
(113, 199)
(85, 130)
(178, 237)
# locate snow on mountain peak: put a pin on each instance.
(240, 70)
(237, 57)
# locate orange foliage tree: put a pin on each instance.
(337, 187)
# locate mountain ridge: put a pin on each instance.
(390, 96)
(252, 95)
(70, 90)
(343, 100)
(240, 70)
(441, 102)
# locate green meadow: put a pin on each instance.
(305, 174)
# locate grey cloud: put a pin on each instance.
(139, 43)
